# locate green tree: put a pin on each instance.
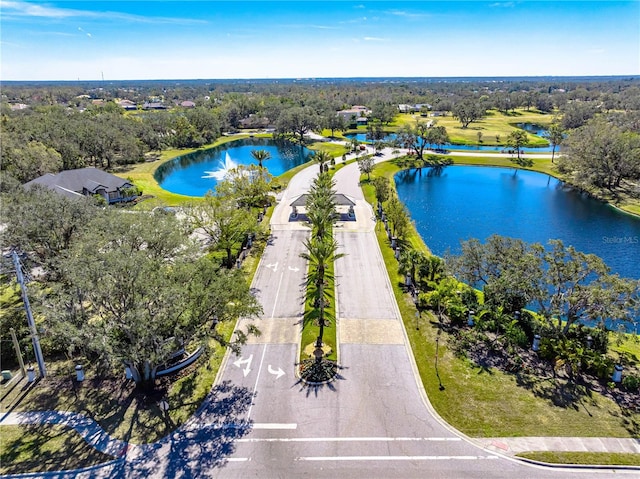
(321, 206)
(468, 111)
(567, 286)
(398, 215)
(44, 224)
(220, 219)
(556, 135)
(602, 154)
(321, 253)
(260, 156)
(249, 185)
(133, 292)
(25, 162)
(517, 139)
(582, 288)
(410, 262)
(417, 137)
(382, 188)
(374, 131)
(322, 158)
(321, 248)
(366, 165)
(297, 121)
(334, 123)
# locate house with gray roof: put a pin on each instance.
(86, 182)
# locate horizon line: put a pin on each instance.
(301, 79)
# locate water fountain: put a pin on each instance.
(225, 166)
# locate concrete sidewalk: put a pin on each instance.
(96, 437)
(511, 446)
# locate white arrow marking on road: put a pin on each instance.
(278, 372)
(241, 361)
(273, 266)
(293, 269)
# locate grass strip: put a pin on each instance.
(584, 458)
(31, 448)
(485, 402)
(310, 327)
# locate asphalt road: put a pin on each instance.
(372, 421)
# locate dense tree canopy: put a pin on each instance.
(565, 285)
(133, 292)
(602, 153)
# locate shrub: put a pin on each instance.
(516, 336)
(631, 383)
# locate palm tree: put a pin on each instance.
(321, 253)
(432, 267)
(322, 157)
(321, 206)
(410, 261)
(555, 138)
(260, 156)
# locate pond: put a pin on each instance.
(534, 129)
(362, 138)
(195, 174)
(460, 202)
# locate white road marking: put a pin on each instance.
(255, 386)
(273, 266)
(238, 459)
(247, 361)
(395, 458)
(278, 373)
(273, 425)
(275, 302)
(346, 439)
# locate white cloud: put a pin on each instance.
(26, 9)
(305, 26)
(503, 4)
(407, 14)
(375, 39)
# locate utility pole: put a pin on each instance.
(16, 346)
(32, 325)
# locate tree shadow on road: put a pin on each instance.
(203, 445)
(314, 389)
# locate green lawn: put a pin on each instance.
(114, 404)
(486, 402)
(495, 123)
(589, 458)
(28, 448)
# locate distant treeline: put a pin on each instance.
(49, 126)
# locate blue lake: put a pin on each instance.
(195, 174)
(362, 138)
(461, 202)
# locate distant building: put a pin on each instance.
(153, 105)
(127, 105)
(18, 106)
(353, 113)
(86, 182)
(187, 104)
(407, 108)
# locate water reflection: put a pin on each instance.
(461, 202)
(196, 173)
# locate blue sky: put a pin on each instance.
(71, 40)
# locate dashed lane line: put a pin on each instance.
(395, 458)
(347, 439)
